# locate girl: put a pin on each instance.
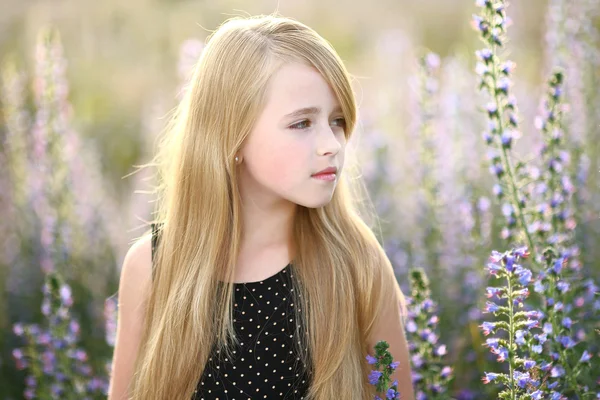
(263, 282)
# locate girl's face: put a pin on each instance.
(287, 144)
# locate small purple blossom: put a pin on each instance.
(371, 359)
(520, 337)
(488, 327)
(493, 291)
(374, 377)
(586, 356)
(491, 307)
(490, 377)
(484, 55)
(557, 371)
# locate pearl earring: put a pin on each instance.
(237, 159)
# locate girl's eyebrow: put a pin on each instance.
(309, 111)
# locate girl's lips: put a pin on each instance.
(327, 171)
(325, 177)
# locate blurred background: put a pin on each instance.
(86, 87)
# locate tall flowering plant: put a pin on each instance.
(430, 376)
(503, 122)
(56, 366)
(539, 214)
(566, 296)
(381, 378)
(514, 327)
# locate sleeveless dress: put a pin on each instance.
(266, 365)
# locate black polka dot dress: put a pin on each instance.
(266, 364)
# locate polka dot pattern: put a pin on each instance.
(266, 365)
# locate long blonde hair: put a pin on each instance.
(341, 272)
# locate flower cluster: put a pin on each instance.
(513, 327)
(57, 368)
(568, 357)
(566, 295)
(430, 377)
(502, 130)
(553, 222)
(541, 211)
(381, 379)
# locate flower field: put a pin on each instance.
(478, 141)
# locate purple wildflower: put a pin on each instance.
(491, 307)
(586, 356)
(489, 377)
(488, 327)
(374, 377)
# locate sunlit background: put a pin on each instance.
(115, 69)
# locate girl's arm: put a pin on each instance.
(389, 327)
(136, 277)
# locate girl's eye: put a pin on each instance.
(301, 124)
(342, 121)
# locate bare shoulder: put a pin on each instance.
(136, 273)
(134, 285)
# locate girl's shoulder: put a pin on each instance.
(136, 273)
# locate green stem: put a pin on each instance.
(506, 160)
(570, 376)
(511, 328)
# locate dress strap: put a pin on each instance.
(155, 239)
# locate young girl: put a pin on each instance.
(260, 279)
